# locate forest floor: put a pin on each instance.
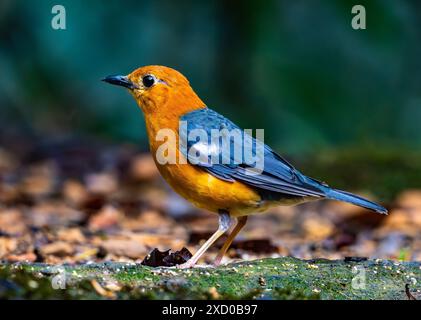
(276, 278)
(94, 208)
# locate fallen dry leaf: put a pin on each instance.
(106, 218)
(101, 291)
(53, 213)
(12, 222)
(257, 246)
(124, 247)
(143, 168)
(101, 183)
(214, 293)
(40, 180)
(7, 245)
(25, 257)
(74, 192)
(73, 235)
(409, 199)
(59, 248)
(317, 228)
(166, 259)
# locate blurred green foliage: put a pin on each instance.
(380, 173)
(295, 68)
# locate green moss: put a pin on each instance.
(281, 278)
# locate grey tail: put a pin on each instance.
(354, 199)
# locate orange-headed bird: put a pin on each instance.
(224, 187)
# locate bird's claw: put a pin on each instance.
(188, 265)
(185, 265)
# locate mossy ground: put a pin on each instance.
(280, 278)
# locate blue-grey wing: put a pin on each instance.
(215, 144)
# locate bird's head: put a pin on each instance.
(159, 90)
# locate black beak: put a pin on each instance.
(120, 81)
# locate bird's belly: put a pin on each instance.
(210, 193)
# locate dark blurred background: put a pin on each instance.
(344, 104)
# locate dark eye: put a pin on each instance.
(148, 81)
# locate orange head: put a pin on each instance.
(159, 91)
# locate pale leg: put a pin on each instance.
(225, 223)
(241, 222)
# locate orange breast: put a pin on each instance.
(210, 193)
(197, 186)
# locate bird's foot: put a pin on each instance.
(217, 262)
(186, 265)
